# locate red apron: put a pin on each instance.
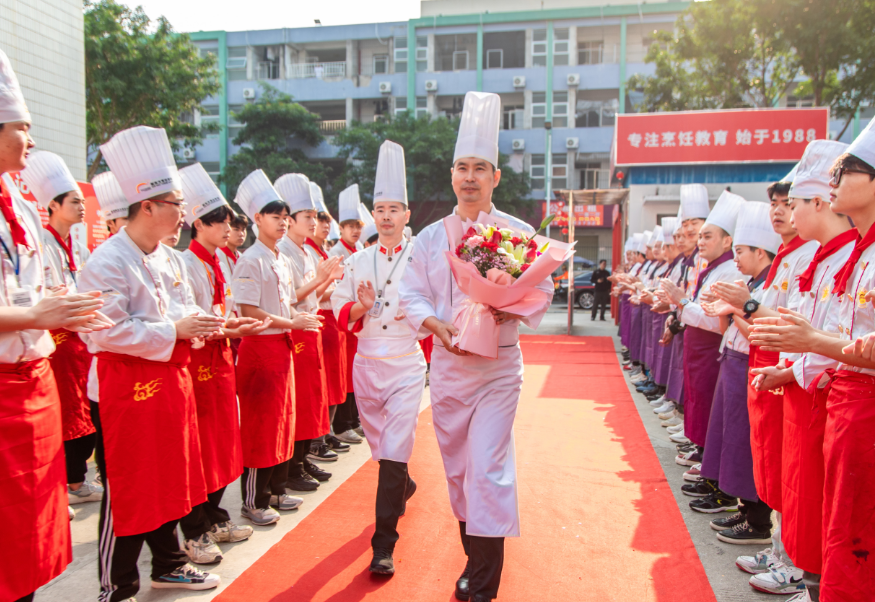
(265, 387)
(849, 490)
(766, 411)
(70, 363)
(311, 404)
(802, 476)
(334, 354)
(215, 394)
(427, 345)
(352, 345)
(32, 492)
(148, 416)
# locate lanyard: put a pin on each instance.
(392, 271)
(16, 260)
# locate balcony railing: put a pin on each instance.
(268, 70)
(591, 179)
(317, 70)
(329, 127)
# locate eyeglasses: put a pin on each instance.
(836, 178)
(180, 205)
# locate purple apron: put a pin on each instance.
(701, 367)
(647, 335)
(635, 342)
(728, 458)
(661, 355)
(674, 390)
(625, 320)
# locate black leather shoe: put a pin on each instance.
(336, 444)
(316, 472)
(408, 493)
(462, 584)
(302, 483)
(382, 563)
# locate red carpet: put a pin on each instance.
(599, 521)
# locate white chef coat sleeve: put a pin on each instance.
(191, 304)
(153, 341)
(534, 320)
(416, 297)
(247, 282)
(694, 315)
(345, 291)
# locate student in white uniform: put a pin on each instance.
(148, 453)
(389, 370)
(112, 201)
(474, 399)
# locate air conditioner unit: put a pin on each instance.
(572, 142)
(431, 85)
(385, 87)
(518, 144)
(249, 93)
(573, 79)
(519, 81)
(188, 153)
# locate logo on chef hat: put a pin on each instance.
(147, 186)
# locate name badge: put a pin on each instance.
(23, 297)
(376, 310)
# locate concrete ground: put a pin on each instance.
(79, 582)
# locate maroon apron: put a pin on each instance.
(71, 363)
(766, 411)
(311, 404)
(32, 492)
(334, 354)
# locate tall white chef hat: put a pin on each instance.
(478, 130)
(390, 183)
(333, 231)
(109, 195)
(254, 192)
(725, 212)
(754, 228)
(12, 106)
(201, 193)
(294, 188)
(638, 243)
(365, 215)
(143, 163)
(318, 198)
(679, 223)
(368, 231)
(48, 176)
(644, 242)
(656, 236)
(863, 147)
(812, 174)
(669, 225)
(348, 204)
(790, 177)
(694, 202)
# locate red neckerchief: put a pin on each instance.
(807, 277)
(19, 237)
(231, 255)
(211, 260)
(711, 265)
(783, 252)
(68, 247)
(348, 248)
(318, 248)
(863, 243)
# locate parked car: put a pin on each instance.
(584, 290)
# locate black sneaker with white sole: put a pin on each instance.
(699, 488)
(714, 503)
(743, 534)
(727, 522)
(316, 472)
(336, 444)
(320, 452)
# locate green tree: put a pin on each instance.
(141, 73)
(275, 128)
(429, 145)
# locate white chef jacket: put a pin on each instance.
(22, 345)
(383, 336)
(429, 289)
(693, 314)
(144, 295)
(732, 338)
(201, 279)
(856, 314)
(226, 261)
(784, 290)
(264, 279)
(821, 308)
(57, 268)
(303, 271)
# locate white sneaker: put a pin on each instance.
(691, 458)
(639, 378)
(781, 579)
(657, 402)
(801, 597)
(230, 533)
(679, 437)
(668, 406)
(187, 577)
(87, 492)
(349, 436)
(675, 420)
(202, 550)
(760, 563)
(285, 502)
(667, 415)
(260, 516)
(70, 513)
(678, 428)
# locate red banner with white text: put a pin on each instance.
(585, 216)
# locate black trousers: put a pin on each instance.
(347, 416)
(758, 514)
(27, 598)
(602, 300)
(391, 490)
(485, 563)
(118, 554)
(203, 516)
(296, 464)
(76, 452)
(258, 484)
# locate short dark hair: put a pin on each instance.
(323, 217)
(275, 208)
(849, 161)
(59, 200)
(216, 216)
(134, 210)
(350, 222)
(374, 238)
(603, 261)
(779, 188)
(239, 221)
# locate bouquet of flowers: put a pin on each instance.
(498, 266)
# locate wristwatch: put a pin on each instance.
(750, 307)
(684, 302)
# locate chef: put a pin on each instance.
(389, 370)
(50, 181)
(114, 205)
(31, 457)
(148, 453)
(474, 399)
(311, 279)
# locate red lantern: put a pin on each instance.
(565, 231)
(620, 175)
